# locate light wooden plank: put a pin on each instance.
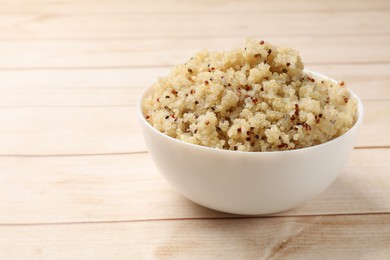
(73, 97)
(376, 120)
(27, 130)
(69, 130)
(128, 96)
(168, 52)
(80, 79)
(175, 6)
(337, 237)
(77, 79)
(194, 24)
(122, 87)
(46, 194)
(88, 188)
(129, 187)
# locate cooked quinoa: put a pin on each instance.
(257, 98)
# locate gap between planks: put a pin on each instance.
(123, 105)
(117, 26)
(129, 153)
(232, 217)
(168, 66)
(167, 37)
(100, 130)
(151, 7)
(213, 12)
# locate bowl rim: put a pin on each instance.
(358, 122)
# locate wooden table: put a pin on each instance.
(76, 181)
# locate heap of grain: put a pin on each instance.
(257, 98)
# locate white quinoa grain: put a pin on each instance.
(256, 98)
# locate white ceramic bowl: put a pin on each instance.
(248, 183)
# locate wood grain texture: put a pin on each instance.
(370, 81)
(103, 53)
(335, 237)
(122, 86)
(53, 78)
(76, 181)
(129, 187)
(85, 130)
(22, 26)
(71, 97)
(81, 131)
(177, 6)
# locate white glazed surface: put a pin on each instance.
(248, 183)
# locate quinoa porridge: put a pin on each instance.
(257, 98)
